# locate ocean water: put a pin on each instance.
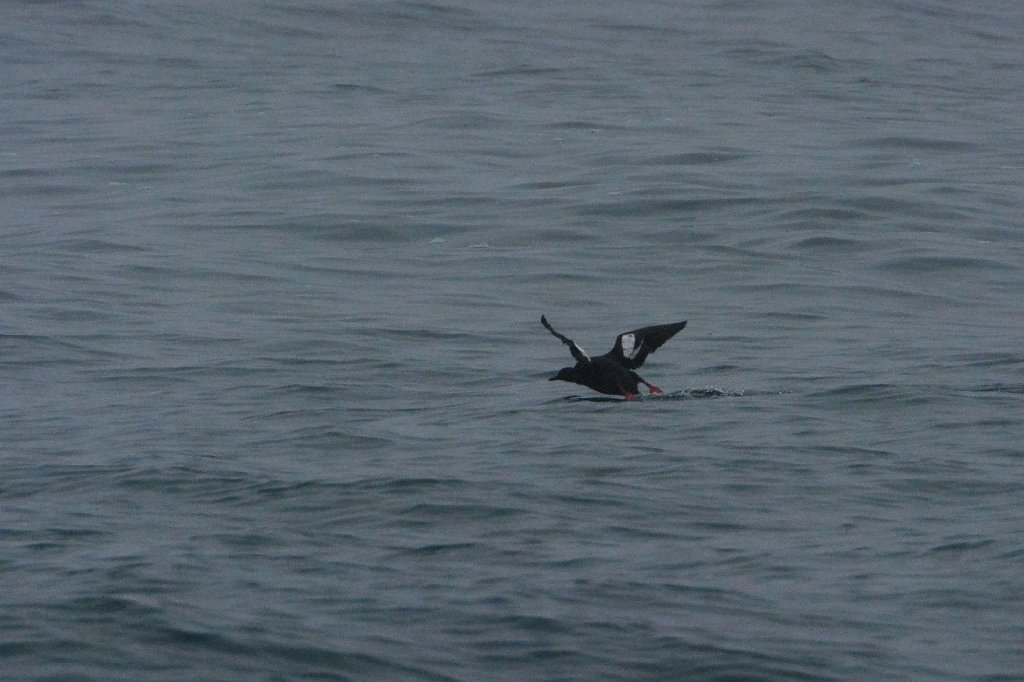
(275, 401)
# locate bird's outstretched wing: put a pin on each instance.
(632, 348)
(577, 353)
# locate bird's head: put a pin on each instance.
(565, 374)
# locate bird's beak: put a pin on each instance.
(554, 378)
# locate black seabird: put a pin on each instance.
(612, 373)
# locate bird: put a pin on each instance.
(612, 373)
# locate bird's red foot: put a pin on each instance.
(654, 389)
(631, 396)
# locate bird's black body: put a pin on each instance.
(602, 374)
(612, 373)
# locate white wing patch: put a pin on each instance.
(580, 349)
(629, 347)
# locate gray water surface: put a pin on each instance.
(274, 394)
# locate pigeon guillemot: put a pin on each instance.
(612, 373)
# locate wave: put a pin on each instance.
(679, 394)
